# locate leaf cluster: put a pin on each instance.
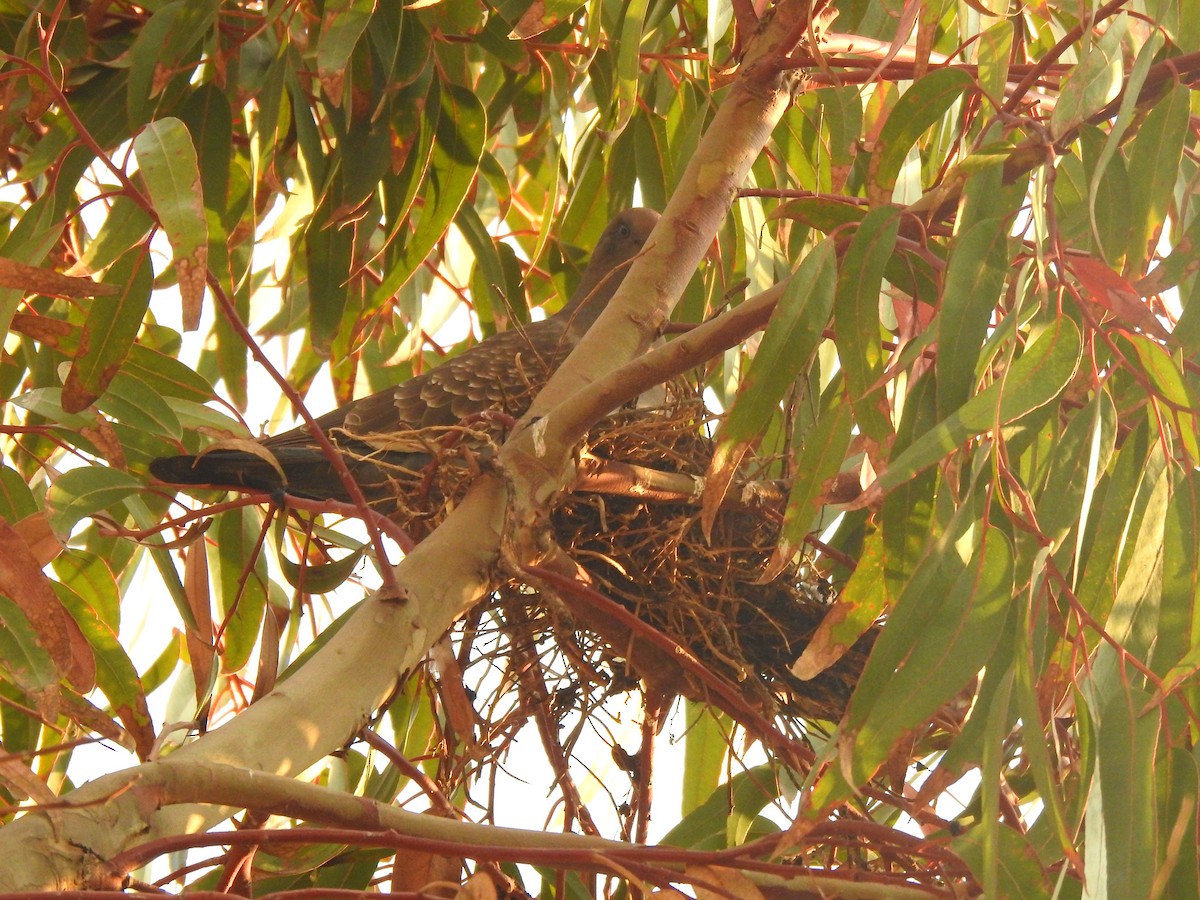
(979, 384)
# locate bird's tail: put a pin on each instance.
(306, 472)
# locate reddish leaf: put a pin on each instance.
(22, 579)
(1116, 295)
(34, 280)
(40, 538)
(199, 637)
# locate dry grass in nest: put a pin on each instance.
(650, 556)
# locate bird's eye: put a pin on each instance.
(623, 230)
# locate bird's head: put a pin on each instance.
(622, 240)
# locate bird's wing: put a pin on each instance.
(503, 373)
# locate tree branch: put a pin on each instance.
(170, 782)
(320, 706)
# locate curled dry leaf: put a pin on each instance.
(35, 280)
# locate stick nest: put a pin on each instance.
(651, 557)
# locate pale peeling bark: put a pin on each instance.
(316, 710)
(537, 457)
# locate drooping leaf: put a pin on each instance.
(705, 750)
(1177, 395)
(165, 47)
(1093, 83)
(628, 64)
(115, 674)
(918, 108)
(747, 793)
(16, 500)
(126, 226)
(456, 152)
(24, 583)
(1036, 378)
(342, 25)
(161, 373)
(796, 328)
(817, 460)
(974, 280)
(109, 332)
(241, 588)
(1020, 875)
(531, 19)
(856, 313)
(943, 628)
(1154, 156)
(167, 162)
(1127, 747)
(864, 598)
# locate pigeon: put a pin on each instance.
(374, 435)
